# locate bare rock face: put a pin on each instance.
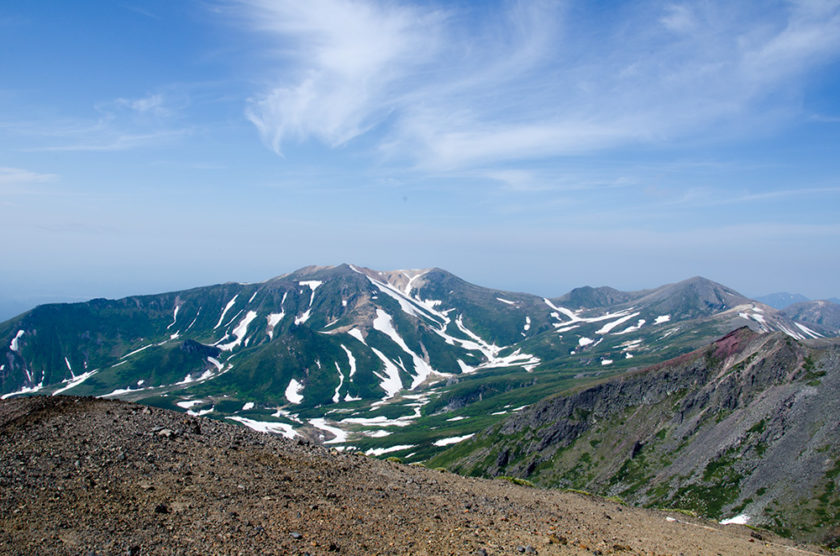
(746, 426)
(83, 475)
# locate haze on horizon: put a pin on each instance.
(529, 146)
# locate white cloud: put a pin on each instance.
(115, 140)
(153, 104)
(473, 88)
(118, 125)
(19, 176)
(18, 181)
(347, 58)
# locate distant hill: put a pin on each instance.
(825, 314)
(780, 300)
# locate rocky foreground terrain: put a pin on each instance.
(89, 476)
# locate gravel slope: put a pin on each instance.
(81, 476)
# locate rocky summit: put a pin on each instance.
(89, 476)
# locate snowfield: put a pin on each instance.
(294, 392)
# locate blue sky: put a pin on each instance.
(533, 146)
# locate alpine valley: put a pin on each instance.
(425, 366)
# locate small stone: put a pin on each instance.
(295, 535)
(161, 509)
(557, 539)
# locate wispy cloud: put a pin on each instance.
(19, 176)
(153, 104)
(346, 59)
(118, 125)
(452, 90)
(114, 141)
(18, 181)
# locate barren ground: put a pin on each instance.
(81, 476)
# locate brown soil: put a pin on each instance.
(82, 476)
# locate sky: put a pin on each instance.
(529, 146)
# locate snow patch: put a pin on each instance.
(24, 390)
(15, 346)
(466, 369)
(351, 359)
(248, 406)
(605, 362)
(632, 328)
(76, 381)
(384, 324)
(391, 382)
(265, 426)
(239, 332)
(312, 285)
(662, 318)
(740, 519)
(610, 325)
(356, 333)
(294, 392)
(584, 341)
(381, 451)
(304, 317)
(224, 312)
(452, 440)
(808, 331)
(174, 317)
(273, 319)
(458, 418)
(507, 301)
(527, 326)
(337, 397)
(339, 436)
(189, 404)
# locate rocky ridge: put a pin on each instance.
(746, 426)
(88, 476)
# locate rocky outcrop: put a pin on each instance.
(748, 425)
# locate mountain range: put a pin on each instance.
(783, 300)
(403, 361)
(688, 395)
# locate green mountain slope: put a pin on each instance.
(403, 361)
(746, 426)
